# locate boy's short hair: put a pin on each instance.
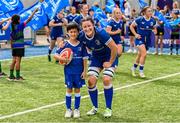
(72, 25)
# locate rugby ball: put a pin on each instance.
(66, 53)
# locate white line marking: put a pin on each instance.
(86, 96)
(26, 57)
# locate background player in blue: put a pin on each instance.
(104, 52)
(114, 28)
(130, 34)
(57, 32)
(4, 28)
(75, 71)
(145, 24)
(175, 31)
(84, 8)
(159, 35)
(72, 15)
(96, 21)
(47, 29)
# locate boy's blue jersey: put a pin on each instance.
(79, 53)
(71, 17)
(98, 43)
(57, 29)
(145, 27)
(115, 26)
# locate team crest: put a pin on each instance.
(151, 23)
(79, 48)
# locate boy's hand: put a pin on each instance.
(64, 59)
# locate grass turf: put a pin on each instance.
(158, 101)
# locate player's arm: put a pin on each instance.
(132, 28)
(7, 25)
(155, 27)
(57, 56)
(85, 60)
(53, 24)
(124, 18)
(84, 74)
(109, 30)
(113, 47)
(65, 22)
(31, 16)
(7, 19)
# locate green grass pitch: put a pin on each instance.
(157, 101)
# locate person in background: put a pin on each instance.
(174, 31)
(84, 9)
(127, 11)
(159, 35)
(114, 28)
(5, 27)
(96, 21)
(57, 31)
(17, 45)
(132, 47)
(70, 17)
(145, 25)
(166, 12)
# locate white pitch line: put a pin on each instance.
(26, 57)
(86, 96)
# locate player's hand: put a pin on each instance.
(155, 31)
(64, 59)
(122, 38)
(107, 64)
(60, 24)
(83, 75)
(61, 44)
(155, 17)
(118, 31)
(138, 36)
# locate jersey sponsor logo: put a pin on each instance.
(97, 42)
(143, 22)
(92, 48)
(84, 42)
